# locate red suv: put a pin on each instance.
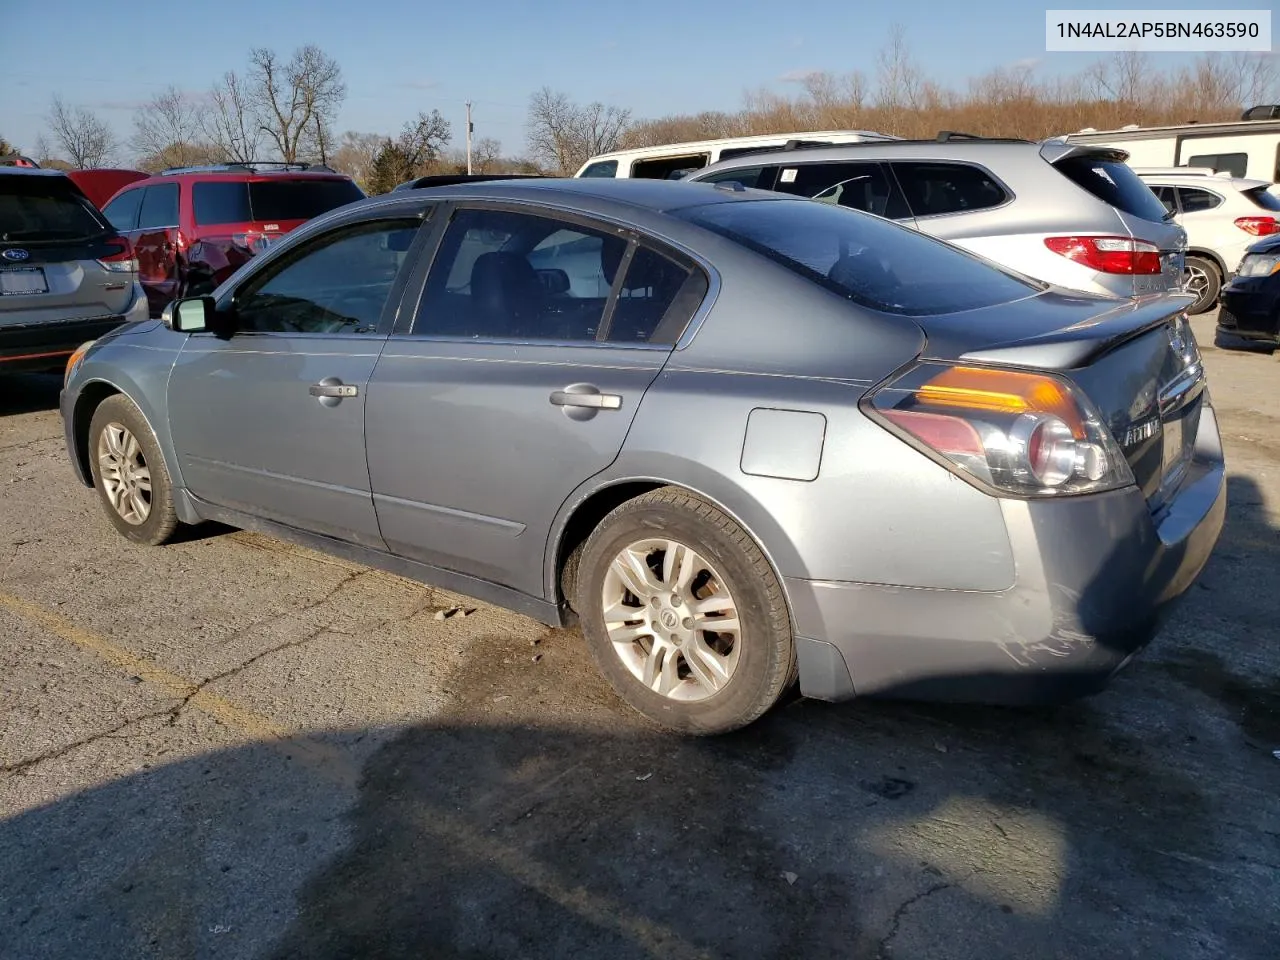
(192, 227)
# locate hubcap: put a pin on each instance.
(1197, 282)
(671, 619)
(126, 479)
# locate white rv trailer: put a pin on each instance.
(1242, 148)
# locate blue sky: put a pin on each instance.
(655, 57)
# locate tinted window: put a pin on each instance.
(299, 199)
(122, 212)
(861, 186)
(159, 207)
(503, 275)
(1232, 163)
(668, 168)
(605, 168)
(1262, 197)
(221, 203)
(45, 208)
(1115, 183)
(1193, 201)
(747, 176)
(339, 284)
(657, 299)
(1165, 196)
(870, 261)
(938, 188)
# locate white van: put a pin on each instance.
(1243, 148)
(675, 160)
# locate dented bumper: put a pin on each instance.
(1096, 576)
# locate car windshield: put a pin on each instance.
(40, 208)
(266, 200)
(871, 261)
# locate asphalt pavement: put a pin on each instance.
(231, 747)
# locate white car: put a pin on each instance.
(1223, 215)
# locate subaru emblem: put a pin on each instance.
(15, 254)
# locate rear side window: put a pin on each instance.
(881, 265)
(1113, 182)
(669, 168)
(1232, 163)
(1166, 196)
(657, 300)
(1262, 197)
(1194, 201)
(159, 207)
(603, 168)
(934, 189)
(217, 203)
(761, 177)
(122, 212)
(299, 199)
(45, 208)
(861, 186)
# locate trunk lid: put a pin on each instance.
(1137, 361)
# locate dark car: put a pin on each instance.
(1250, 303)
(192, 227)
(66, 275)
(741, 438)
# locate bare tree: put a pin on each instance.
(564, 134)
(485, 154)
(295, 102)
(422, 139)
(169, 132)
(899, 79)
(229, 122)
(86, 139)
(355, 153)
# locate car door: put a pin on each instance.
(514, 380)
(155, 240)
(270, 421)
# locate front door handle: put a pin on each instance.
(339, 390)
(596, 401)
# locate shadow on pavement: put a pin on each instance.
(28, 392)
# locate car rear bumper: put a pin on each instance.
(43, 346)
(1250, 309)
(1097, 575)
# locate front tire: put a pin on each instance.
(684, 615)
(129, 473)
(1204, 280)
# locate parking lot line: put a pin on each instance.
(601, 911)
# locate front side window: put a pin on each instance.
(504, 275)
(159, 207)
(122, 212)
(336, 284)
(934, 189)
(1193, 200)
(881, 265)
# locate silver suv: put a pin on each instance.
(66, 275)
(1071, 215)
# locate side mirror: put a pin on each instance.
(190, 315)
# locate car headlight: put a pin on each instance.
(73, 361)
(1259, 265)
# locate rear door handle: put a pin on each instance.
(596, 400)
(323, 389)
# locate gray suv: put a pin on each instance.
(66, 275)
(1070, 215)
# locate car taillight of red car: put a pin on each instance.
(121, 260)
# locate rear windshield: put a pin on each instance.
(1115, 183)
(45, 208)
(870, 261)
(1263, 198)
(241, 202)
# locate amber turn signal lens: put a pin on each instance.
(1002, 391)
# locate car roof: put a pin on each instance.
(959, 148)
(236, 176)
(32, 172)
(655, 195)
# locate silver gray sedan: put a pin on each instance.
(741, 438)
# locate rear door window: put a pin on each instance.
(122, 212)
(656, 301)
(934, 189)
(860, 186)
(1194, 201)
(159, 207)
(1113, 182)
(45, 208)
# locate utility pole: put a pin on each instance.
(470, 127)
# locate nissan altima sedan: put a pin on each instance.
(739, 437)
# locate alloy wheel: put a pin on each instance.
(126, 478)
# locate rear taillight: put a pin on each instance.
(121, 260)
(1026, 434)
(1108, 254)
(1258, 226)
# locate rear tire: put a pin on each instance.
(129, 473)
(1204, 280)
(684, 615)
